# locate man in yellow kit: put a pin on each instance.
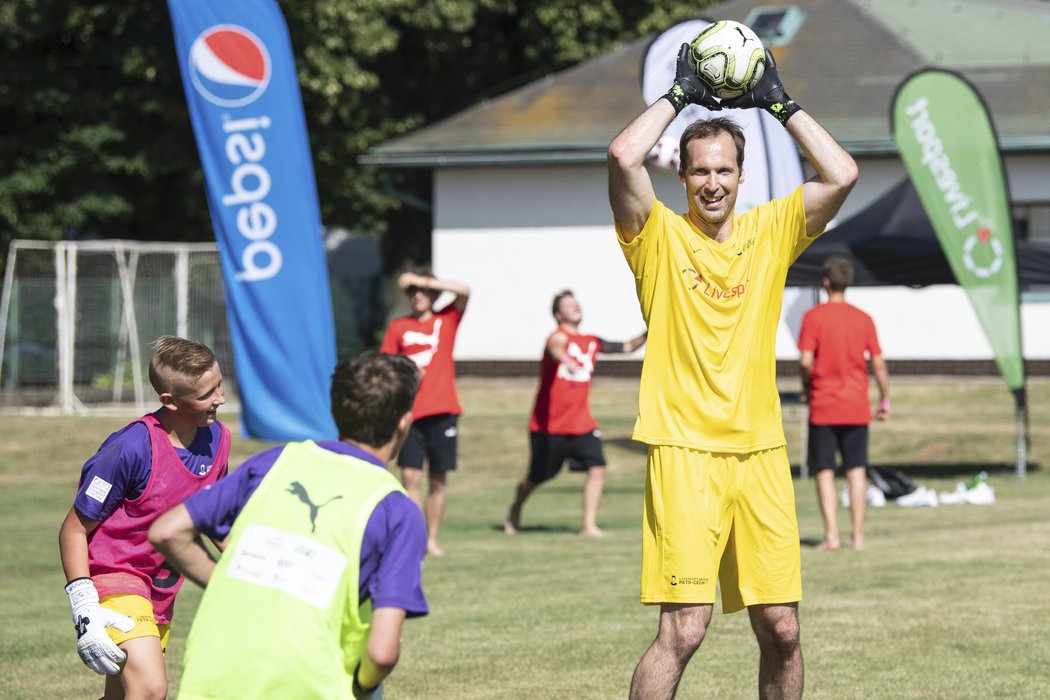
(719, 501)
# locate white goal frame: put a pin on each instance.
(126, 254)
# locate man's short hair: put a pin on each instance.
(556, 306)
(370, 393)
(178, 362)
(706, 129)
(839, 272)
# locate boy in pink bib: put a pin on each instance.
(121, 590)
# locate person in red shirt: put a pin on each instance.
(836, 341)
(427, 336)
(562, 426)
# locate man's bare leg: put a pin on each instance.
(828, 508)
(682, 629)
(593, 485)
(857, 478)
(781, 674)
(435, 511)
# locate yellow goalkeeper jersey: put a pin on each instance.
(712, 309)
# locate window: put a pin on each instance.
(775, 26)
(1032, 222)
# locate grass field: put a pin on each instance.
(947, 602)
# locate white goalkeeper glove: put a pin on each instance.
(90, 620)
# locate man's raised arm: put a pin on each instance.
(630, 189)
(824, 194)
(836, 170)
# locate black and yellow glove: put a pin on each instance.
(768, 94)
(688, 88)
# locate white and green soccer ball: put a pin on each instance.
(729, 57)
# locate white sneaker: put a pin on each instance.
(981, 495)
(876, 498)
(956, 497)
(844, 497)
(921, 496)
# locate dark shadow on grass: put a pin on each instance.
(944, 470)
(548, 529)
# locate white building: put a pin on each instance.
(520, 203)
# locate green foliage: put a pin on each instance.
(97, 140)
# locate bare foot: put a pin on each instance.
(513, 522)
(593, 532)
(435, 551)
(858, 545)
(829, 546)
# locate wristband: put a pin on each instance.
(782, 111)
(884, 404)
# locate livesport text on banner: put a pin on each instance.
(949, 148)
(241, 88)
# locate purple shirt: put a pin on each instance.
(394, 541)
(121, 468)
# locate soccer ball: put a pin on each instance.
(729, 57)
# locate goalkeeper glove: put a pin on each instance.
(768, 94)
(688, 88)
(96, 649)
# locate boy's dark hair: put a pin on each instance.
(370, 393)
(556, 306)
(839, 272)
(705, 129)
(178, 356)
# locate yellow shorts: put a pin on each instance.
(719, 516)
(141, 611)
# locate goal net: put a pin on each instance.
(77, 319)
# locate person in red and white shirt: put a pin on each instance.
(427, 336)
(562, 426)
(836, 341)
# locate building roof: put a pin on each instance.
(843, 65)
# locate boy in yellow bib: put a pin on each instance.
(323, 555)
(719, 501)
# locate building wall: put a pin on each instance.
(518, 235)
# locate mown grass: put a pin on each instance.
(946, 602)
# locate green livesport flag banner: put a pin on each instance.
(949, 148)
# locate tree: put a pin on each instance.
(98, 141)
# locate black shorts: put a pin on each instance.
(432, 439)
(549, 452)
(851, 441)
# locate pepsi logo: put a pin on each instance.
(229, 66)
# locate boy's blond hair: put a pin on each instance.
(177, 363)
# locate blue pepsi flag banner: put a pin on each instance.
(243, 97)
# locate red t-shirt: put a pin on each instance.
(429, 344)
(841, 337)
(562, 402)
